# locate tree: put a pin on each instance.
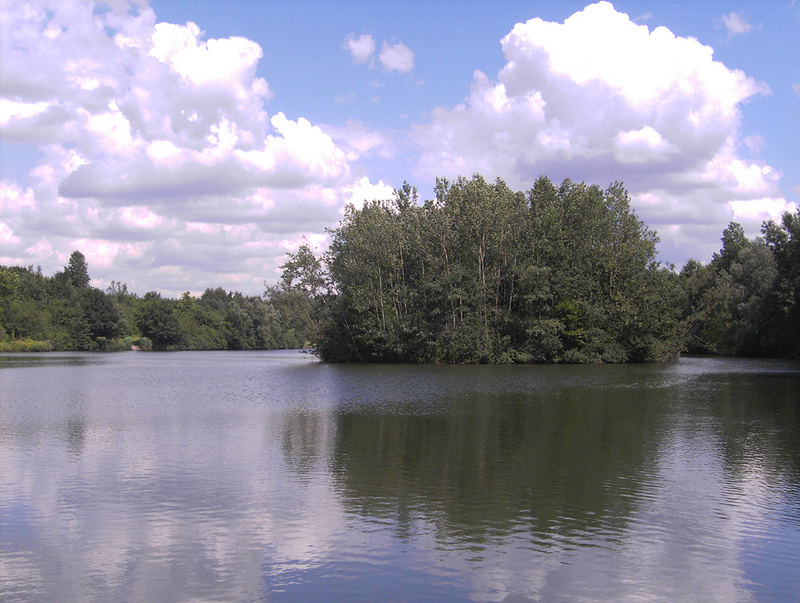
(77, 271)
(733, 241)
(301, 298)
(9, 282)
(157, 320)
(784, 301)
(303, 271)
(697, 307)
(102, 316)
(485, 274)
(741, 304)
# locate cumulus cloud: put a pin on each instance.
(600, 98)
(363, 190)
(358, 140)
(396, 57)
(736, 24)
(158, 156)
(361, 47)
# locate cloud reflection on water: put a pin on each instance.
(345, 483)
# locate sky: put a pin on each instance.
(182, 145)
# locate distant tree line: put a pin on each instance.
(63, 312)
(480, 273)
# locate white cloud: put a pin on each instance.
(12, 110)
(102, 253)
(600, 98)
(396, 57)
(754, 143)
(13, 199)
(758, 210)
(361, 47)
(223, 60)
(736, 24)
(644, 145)
(140, 217)
(157, 151)
(364, 190)
(7, 235)
(358, 140)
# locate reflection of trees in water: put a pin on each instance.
(565, 464)
(758, 422)
(307, 440)
(76, 434)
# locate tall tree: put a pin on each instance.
(301, 297)
(102, 316)
(77, 271)
(784, 301)
(483, 274)
(157, 320)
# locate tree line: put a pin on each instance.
(479, 273)
(482, 273)
(563, 273)
(63, 312)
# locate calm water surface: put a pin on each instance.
(270, 476)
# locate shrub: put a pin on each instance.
(25, 345)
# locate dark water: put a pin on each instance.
(269, 476)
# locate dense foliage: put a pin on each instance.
(746, 302)
(485, 274)
(63, 312)
(480, 273)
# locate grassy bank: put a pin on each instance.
(25, 345)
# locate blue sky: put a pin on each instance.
(183, 145)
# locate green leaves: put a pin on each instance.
(157, 320)
(77, 271)
(747, 301)
(485, 274)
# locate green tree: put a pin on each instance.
(734, 241)
(485, 274)
(77, 271)
(300, 301)
(737, 305)
(157, 320)
(24, 320)
(303, 271)
(102, 316)
(9, 282)
(698, 307)
(784, 301)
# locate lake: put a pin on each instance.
(271, 476)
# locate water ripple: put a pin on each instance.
(258, 476)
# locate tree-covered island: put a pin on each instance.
(480, 273)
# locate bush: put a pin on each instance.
(25, 345)
(142, 343)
